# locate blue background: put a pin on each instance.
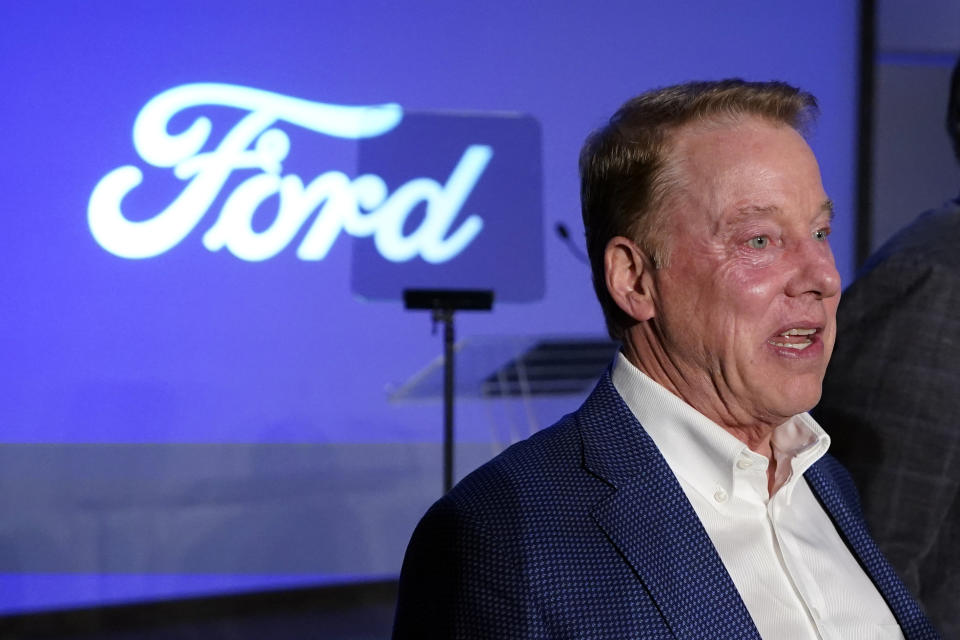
(193, 423)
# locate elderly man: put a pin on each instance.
(691, 495)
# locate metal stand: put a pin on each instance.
(446, 317)
(443, 304)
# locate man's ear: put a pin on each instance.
(629, 275)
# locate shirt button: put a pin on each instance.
(720, 495)
(743, 463)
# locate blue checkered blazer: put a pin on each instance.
(582, 531)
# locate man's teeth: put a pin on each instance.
(799, 346)
(799, 332)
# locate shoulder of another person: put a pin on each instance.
(907, 278)
(932, 238)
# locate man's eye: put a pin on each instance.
(759, 242)
(821, 234)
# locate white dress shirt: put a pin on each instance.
(795, 574)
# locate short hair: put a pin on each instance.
(623, 165)
(953, 110)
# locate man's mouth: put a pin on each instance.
(793, 339)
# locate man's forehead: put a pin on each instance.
(691, 132)
(741, 169)
(706, 149)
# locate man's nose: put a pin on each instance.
(815, 271)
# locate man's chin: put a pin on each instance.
(788, 401)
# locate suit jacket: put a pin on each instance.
(582, 531)
(891, 402)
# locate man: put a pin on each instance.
(892, 396)
(689, 497)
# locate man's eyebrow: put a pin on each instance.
(753, 210)
(827, 208)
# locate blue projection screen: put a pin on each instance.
(209, 212)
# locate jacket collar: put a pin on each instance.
(649, 520)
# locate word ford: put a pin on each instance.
(360, 207)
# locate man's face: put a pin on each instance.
(746, 306)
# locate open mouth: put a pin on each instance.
(795, 338)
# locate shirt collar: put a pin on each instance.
(701, 452)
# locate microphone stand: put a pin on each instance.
(443, 303)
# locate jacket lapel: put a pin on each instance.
(653, 526)
(837, 495)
